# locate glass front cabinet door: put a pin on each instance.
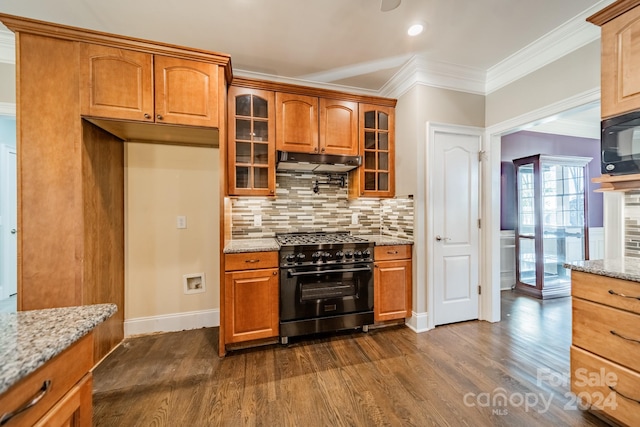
(551, 227)
(251, 147)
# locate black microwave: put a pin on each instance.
(620, 144)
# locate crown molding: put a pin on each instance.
(571, 35)
(420, 71)
(7, 47)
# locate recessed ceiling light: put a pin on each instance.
(415, 29)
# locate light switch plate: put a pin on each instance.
(181, 221)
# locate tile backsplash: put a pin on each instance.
(297, 207)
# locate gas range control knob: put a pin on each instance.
(357, 254)
(300, 257)
(339, 255)
(348, 254)
(291, 258)
(316, 256)
(366, 253)
(326, 256)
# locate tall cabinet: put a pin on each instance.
(552, 222)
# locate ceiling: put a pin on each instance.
(351, 45)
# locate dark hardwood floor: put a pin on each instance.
(510, 373)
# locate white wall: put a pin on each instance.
(162, 182)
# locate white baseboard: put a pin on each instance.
(172, 322)
(418, 322)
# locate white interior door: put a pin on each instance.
(455, 204)
(9, 224)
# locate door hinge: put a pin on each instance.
(480, 155)
(479, 223)
(479, 290)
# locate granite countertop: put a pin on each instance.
(621, 268)
(28, 339)
(239, 246)
(251, 245)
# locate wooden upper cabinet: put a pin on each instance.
(376, 177)
(338, 127)
(296, 123)
(621, 64)
(129, 85)
(116, 83)
(186, 92)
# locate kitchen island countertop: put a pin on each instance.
(28, 339)
(626, 268)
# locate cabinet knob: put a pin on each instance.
(147, 116)
(275, 273)
(159, 117)
(322, 151)
(375, 265)
(315, 150)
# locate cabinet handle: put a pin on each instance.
(612, 292)
(6, 417)
(322, 151)
(315, 150)
(392, 252)
(623, 337)
(613, 389)
(375, 265)
(147, 116)
(275, 273)
(159, 117)
(252, 261)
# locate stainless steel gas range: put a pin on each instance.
(326, 283)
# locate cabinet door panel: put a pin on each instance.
(116, 83)
(186, 92)
(621, 64)
(296, 123)
(338, 127)
(251, 305)
(392, 290)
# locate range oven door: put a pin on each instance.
(317, 291)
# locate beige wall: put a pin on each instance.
(162, 182)
(415, 108)
(573, 74)
(7, 83)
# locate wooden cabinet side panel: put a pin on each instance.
(338, 127)
(116, 83)
(296, 123)
(49, 187)
(186, 92)
(103, 206)
(251, 305)
(621, 64)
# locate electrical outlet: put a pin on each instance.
(257, 220)
(181, 222)
(354, 218)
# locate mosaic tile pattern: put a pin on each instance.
(297, 208)
(632, 224)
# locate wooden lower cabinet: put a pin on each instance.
(251, 297)
(64, 385)
(392, 283)
(605, 371)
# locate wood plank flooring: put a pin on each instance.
(453, 375)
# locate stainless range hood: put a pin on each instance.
(306, 162)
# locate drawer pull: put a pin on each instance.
(6, 417)
(612, 292)
(252, 261)
(392, 252)
(624, 338)
(613, 389)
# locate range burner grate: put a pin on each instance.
(315, 238)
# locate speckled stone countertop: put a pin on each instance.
(28, 339)
(386, 240)
(621, 268)
(240, 246)
(251, 245)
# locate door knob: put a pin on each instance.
(438, 238)
(14, 231)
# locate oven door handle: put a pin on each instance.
(293, 273)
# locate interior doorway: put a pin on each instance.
(8, 229)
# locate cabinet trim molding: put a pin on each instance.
(612, 11)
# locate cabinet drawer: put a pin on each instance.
(63, 372)
(250, 261)
(383, 253)
(607, 332)
(605, 386)
(616, 293)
